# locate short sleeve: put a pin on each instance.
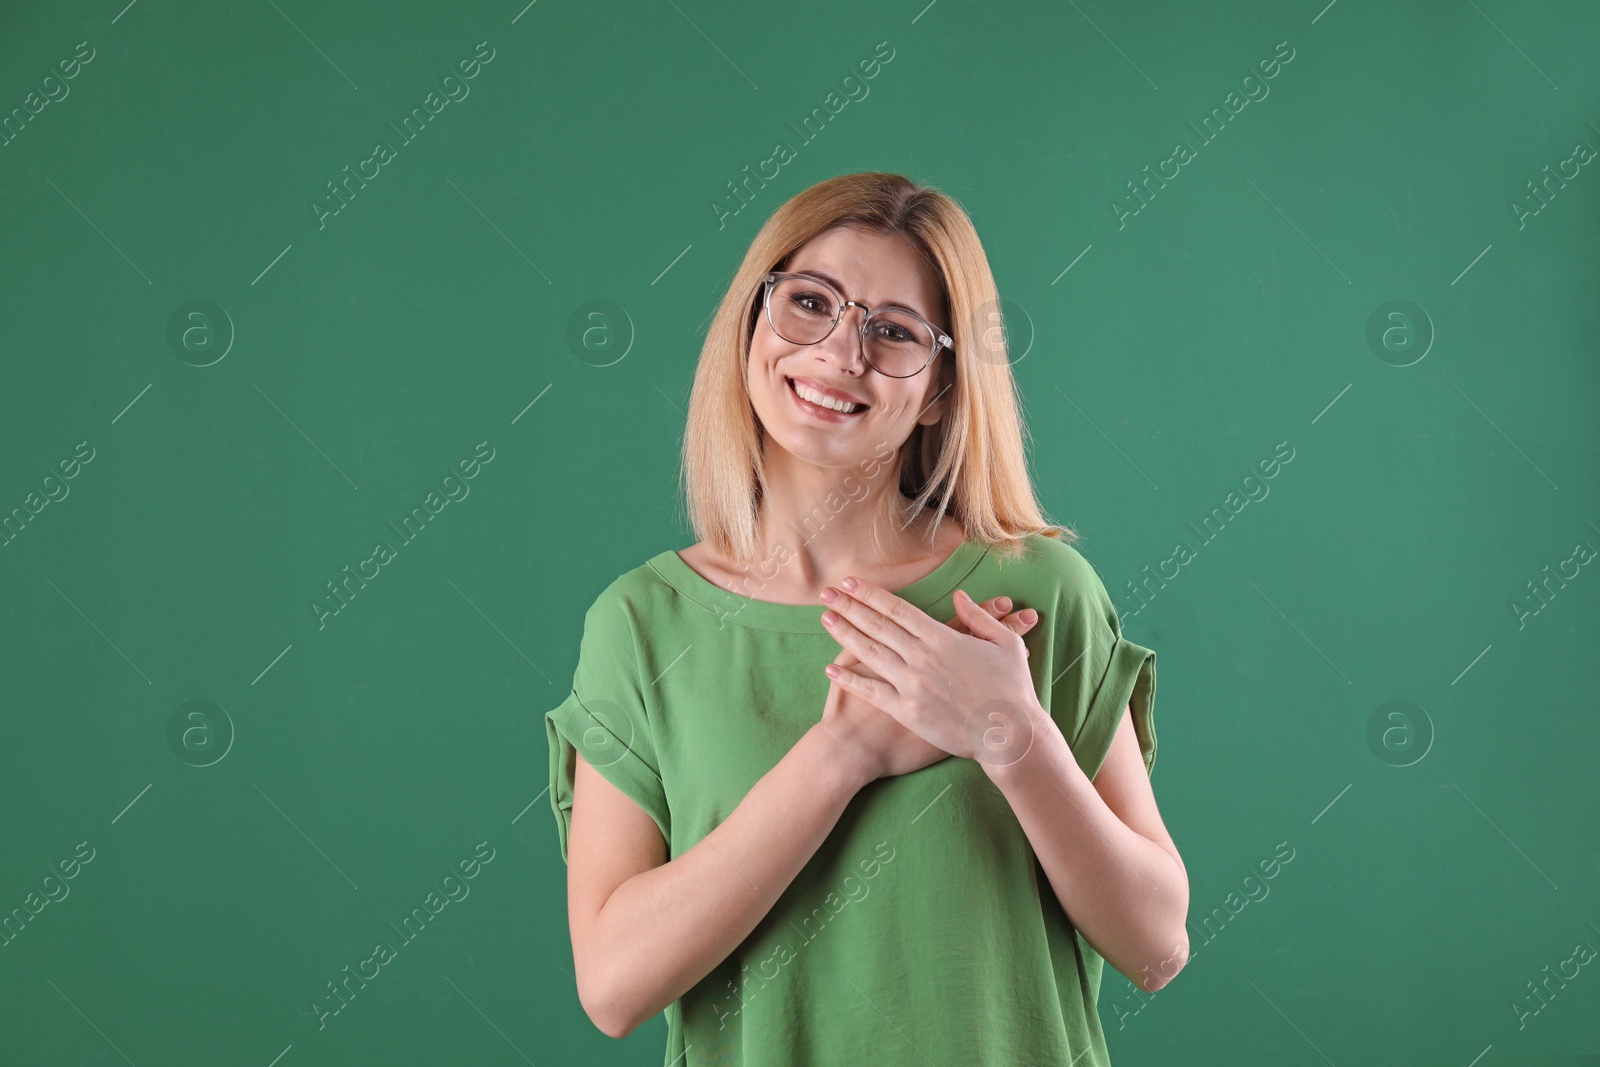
(1100, 672)
(605, 719)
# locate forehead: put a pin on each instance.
(874, 268)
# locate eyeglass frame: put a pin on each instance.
(941, 340)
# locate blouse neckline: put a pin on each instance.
(806, 618)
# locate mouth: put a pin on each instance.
(818, 411)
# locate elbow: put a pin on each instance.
(1166, 968)
(609, 1021)
(613, 1026)
(606, 995)
(609, 1017)
(1169, 956)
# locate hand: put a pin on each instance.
(887, 748)
(968, 694)
(997, 607)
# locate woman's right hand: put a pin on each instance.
(883, 747)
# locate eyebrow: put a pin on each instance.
(840, 288)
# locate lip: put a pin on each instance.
(816, 411)
(812, 383)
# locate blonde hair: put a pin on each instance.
(973, 457)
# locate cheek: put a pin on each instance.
(762, 380)
(902, 406)
(763, 353)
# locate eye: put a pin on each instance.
(812, 302)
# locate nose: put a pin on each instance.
(844, 343)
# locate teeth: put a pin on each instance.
(822, 400)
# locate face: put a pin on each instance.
(874, 269)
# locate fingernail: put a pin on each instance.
(1004, 603)
(1028, 615)
(848, 585)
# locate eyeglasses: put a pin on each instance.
(895, 341)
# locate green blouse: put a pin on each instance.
(923, 930)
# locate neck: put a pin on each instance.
(838, 521)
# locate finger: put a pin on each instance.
(996, 606)
(870, 649)
(874, 691)
(1020, 625)
(983, 624)
(886, 618)
(1021, 621)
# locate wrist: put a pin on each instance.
(1023, 748)
(837, 758)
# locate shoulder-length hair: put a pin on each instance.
(972, 459)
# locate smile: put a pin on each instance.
(821, 411)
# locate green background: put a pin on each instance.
(267, 785)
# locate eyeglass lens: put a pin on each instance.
(897, 344)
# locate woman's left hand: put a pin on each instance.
(969, 694)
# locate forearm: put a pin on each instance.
(1125, 893)
(662, 931)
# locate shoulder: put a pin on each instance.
(1059, 573)
(1054, 561)
(638, 597)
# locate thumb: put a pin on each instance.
(979, 621)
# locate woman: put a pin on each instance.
(816, 825)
